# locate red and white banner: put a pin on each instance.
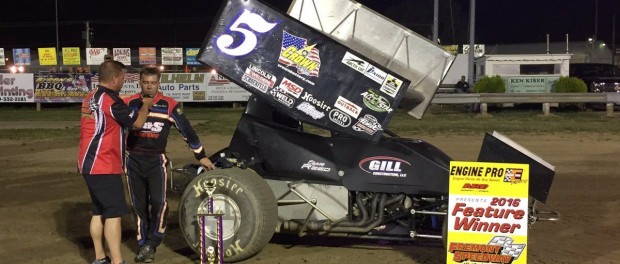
(122, 55)
(95, 56)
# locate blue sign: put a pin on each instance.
(21, 56)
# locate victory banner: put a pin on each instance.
(190, 56)
(172, 56)
(488, 213)
(21, 57)
(2, 59)
(47, 56)
(71, 56)
(122, 55)
(147, 56)
(95, 56)
(298, 69)
(61, 87)
(16, 88)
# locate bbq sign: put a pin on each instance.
(301, 71)
(487, 213)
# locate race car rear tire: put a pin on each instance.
(249, 207)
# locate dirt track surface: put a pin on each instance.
(45, 205)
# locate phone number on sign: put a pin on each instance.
(13, 99)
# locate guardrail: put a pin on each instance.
(609, 99)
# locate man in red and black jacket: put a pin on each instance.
(100, 157)
(146, 161)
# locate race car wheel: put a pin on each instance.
(249, 208)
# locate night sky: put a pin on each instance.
(31, 23)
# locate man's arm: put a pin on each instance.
(143, 113)
(190, 137)
(128, 117)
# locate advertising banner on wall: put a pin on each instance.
(488, 212)
(147, 55)
(71, 56)
(21, 56)
(223, 90)
(95, 56)
(530, 84)
(185, 87)
(47, 56)
(2, 59)
(61, 87)
(301, 71)
(122, 55)
(16, 88)
(131, 85)
(172, 56)
(190, 56)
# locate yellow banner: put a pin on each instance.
(47, 56)
(488, 213)
(71, 56)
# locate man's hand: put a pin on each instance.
(205, 162)
(148, 101)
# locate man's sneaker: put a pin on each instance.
(146, 254)
(105, 260)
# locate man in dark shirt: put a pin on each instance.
(462, 86)
(100, 157)
(146, 161)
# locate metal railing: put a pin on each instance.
(609, 99)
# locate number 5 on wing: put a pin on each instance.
(254, 22)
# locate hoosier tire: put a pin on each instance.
(249, 207)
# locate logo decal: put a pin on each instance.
(281, 96)
(258, 78)
(340, 118)
(354, 62)
(367, 124)
(375, 74)
(297, 53)
(291, 87)
(391, 85)
(376, 102)
(315, 166)
(383, 166)
(348, 107)
(310, 110)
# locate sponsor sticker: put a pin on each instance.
(355, 62)
(291, 87)
(282, 96)
(258, 78)
(348, 107)
(376, 102)
(384, 166)
(315, 166)
(367, 124)
(375, 74)
(340, 118)
(391, 86)
(310, 110)
(295, 52)
(308, 97)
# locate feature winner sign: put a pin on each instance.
(488, 213)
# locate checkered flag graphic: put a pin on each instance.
(508, 248)
(508, 176)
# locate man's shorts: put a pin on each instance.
(107, 193)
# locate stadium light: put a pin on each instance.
(161, 68)
(20, 68)
(213, 72)
(13, 69)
